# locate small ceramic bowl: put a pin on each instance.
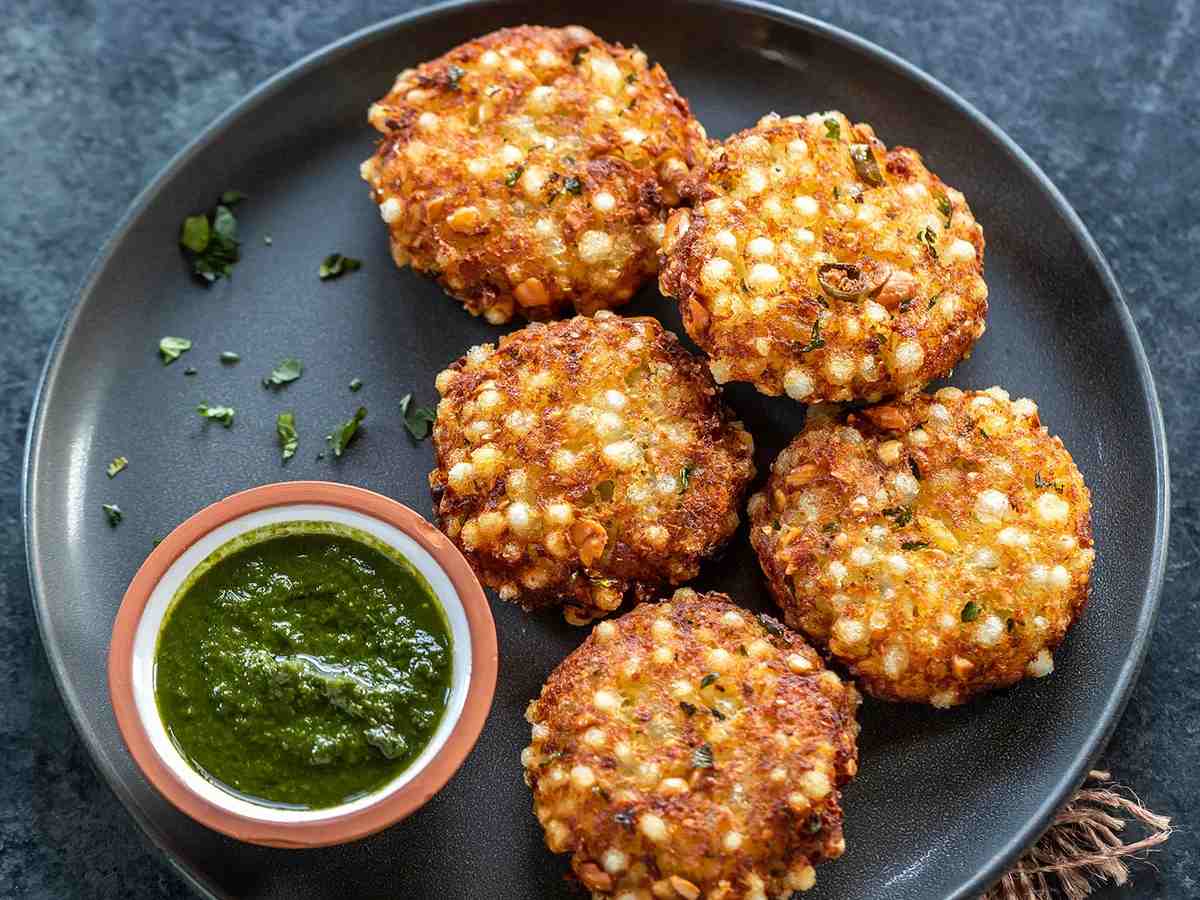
(144, 608)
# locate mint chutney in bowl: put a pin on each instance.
(302, 664)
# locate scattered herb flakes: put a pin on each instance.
(210, 240)
(356, 384)
(171, 348)
(914, 545)
(1040, 482)
(335, 265)
(455, 74)
(190, 370)
(156, 542)
(830, 527)
(708, 679)
(117, 465)
(685, 475)
(773, 625)
(971, 611)
(900, 515)
(833, 130)
(578, 57)
(914, 468)
(573, 185)
(289, 440)
(816, 342)
(688, 709)
(222, 414)
(944, 207)
(511, 178)
(229, 357)
(345, 433)
(814, 824)
(624, 818)
(631, 78)
(417, 420)
(268, 240)
(928, 237)
(113, 512)
(984, 433)
(702, 757)
(287, 371)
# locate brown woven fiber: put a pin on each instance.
(1085, 845)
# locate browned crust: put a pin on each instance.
(776, 718)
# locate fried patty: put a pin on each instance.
(692, 749)
(939, 547)
(530, 170)
(585, 459)
(818, 263)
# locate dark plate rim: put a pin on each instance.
(1104, 726)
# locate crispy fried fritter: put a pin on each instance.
(530, 170)
(584, 459)
(690, 749)
(820, 264)
(939, 548)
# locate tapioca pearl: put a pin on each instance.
(797, 148)
(915, 191)
(803, 236)
(875, 313)
(909, 356)
(836, 572)
(1067, 543)
(896, 564)
(754, 181)
(959, 251)
(907, 485)
(939, 414)
(755, 144)
(761, 248)
(895, 661)
(763, 277)
(716, 272)
(604, 202)
(1059, 578)
(862, 556)
(991, 506)
(1038, 576)
(606, 701)
(726, 241)
(944, 699)
(1041, 665)
(1024, 407)
(1013, 537)
(805, 205)
(985, 558)
(1051, 509)
(839, 367)
(948, 305)
(989, 632)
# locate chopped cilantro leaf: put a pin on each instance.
(118, 464)
(945, 208)
(833, 130)
(171, 348)
(684, 475)
(577, 58)
(113, 512)
(773, 625)
(511, 178)
(688, 709)
(900, 515)
(454, 74)
(336, 265)
(210, 240)
(222, 414)
(1040, 482)
(971, 611)
(702, 757)
(573, 185)
(288, 370)
(190, 370)
(228, 356)
(914, 545)
(708, 679)
(928, 237)
(417, 420)
(816, 342)
(289, 440)
(341, 437)
(356, 384)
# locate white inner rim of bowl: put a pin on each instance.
(146, 639)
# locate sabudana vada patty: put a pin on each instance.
(818, 263)
(690, 749)
(530, 170)
(584, 459)
(939, 547)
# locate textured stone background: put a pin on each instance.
(96, 96)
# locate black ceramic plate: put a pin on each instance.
(945, 799)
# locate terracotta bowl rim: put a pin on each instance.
(392, 806)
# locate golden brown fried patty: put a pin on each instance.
(691, 749)
(585, 458)
(939, 547)
(818, 263)
(531, 169)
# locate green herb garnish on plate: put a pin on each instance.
(171, 348)
(341, 437)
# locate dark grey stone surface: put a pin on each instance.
(96, 96)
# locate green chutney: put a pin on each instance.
(303, 665)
